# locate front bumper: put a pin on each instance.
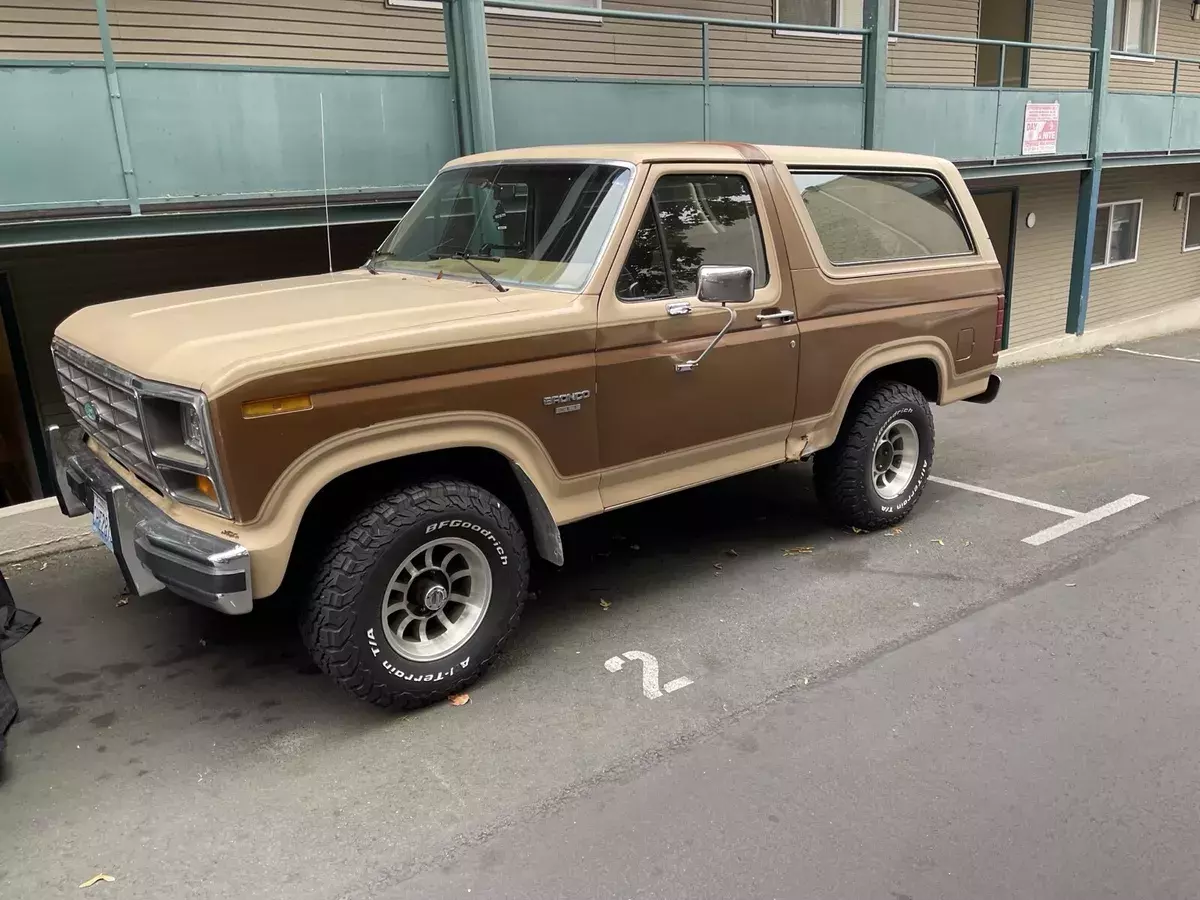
(153, 550)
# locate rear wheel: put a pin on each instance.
(875, 471)
(418, 595)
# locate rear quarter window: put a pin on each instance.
(870, 217)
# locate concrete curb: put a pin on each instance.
(1183, 317)
(38, 529)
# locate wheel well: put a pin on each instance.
(341, 499)
(920, 373)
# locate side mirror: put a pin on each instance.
(725, 284)
(718, 284)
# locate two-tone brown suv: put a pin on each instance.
(548, 334)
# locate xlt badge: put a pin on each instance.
(566, 403)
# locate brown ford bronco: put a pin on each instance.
(548, 334)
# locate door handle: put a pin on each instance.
(782, 316)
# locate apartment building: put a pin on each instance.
(152, 145)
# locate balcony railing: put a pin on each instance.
(1152, 117)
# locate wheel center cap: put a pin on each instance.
(435, 598)
(883, 456)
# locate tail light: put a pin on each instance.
(999, 340)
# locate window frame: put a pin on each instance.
(436, 5)
(873, 267)
(1187, 218)
(639, 213)
(1123, 53)
(1137, 238)
(801, 30)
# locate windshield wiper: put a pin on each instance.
(469, 259)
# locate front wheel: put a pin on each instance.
(418, 595)
(875, 471)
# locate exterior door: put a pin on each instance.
(661, 428)
(998, 208)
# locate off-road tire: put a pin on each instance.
(843, 473)
(342, 621)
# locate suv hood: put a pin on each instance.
(214, 338)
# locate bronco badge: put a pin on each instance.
(566, 403)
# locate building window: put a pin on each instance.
(1118, 227)
(1135, 26)
(864, 218)
(828, 13)
(1191, 225)
(523, 13)
(692, 221)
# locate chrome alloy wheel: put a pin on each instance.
(897, 450)
(436, 599)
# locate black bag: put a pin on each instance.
(14, 625)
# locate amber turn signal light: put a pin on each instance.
(205, 486)
(253, 409)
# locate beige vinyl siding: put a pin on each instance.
(1163, 274)
(1061, 22)
(332, 33)
(1042, 263)
(923, 62)
(35, 29)
(647, 49)
(1178, 35)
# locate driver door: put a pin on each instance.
(662, 429)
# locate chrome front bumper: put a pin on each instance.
(152, 549)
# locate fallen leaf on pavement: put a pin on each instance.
(938, 541)
(604, 604)
(718, 566)
(796, 551)
(895, 531)
(732, 553)
(124, 601)
(856, 529)
(459, 699)
(96, 879)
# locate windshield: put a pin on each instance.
(535, 224)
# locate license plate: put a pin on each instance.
(100, 522)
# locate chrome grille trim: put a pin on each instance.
(83, 379)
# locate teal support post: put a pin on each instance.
(117, 108)
(706, 75)
(473, 65)
(1089, 184)
(877, 18)
(458, 99)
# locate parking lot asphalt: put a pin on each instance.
(192, 755)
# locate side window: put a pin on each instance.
(865, 217)
(692, 221)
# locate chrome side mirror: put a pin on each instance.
(725, 284)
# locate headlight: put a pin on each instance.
(189, 424)
(180, 443)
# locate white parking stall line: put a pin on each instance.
(1079, 521)
(1157, 355)
(1011, 498)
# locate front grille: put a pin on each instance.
(101, 398)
